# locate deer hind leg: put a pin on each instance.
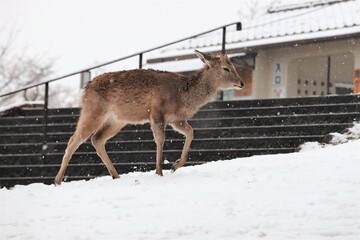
(85, 128)
(158, 129)
(184, 128)
(108, 130)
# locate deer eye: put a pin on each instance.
(226, 69)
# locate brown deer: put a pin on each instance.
(113, 100)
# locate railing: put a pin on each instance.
(139, 54)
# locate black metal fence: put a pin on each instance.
(138, 54)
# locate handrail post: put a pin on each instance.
(223, 50)
(45, 119)
(140, 60)
(223, 40)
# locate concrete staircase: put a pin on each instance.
(223, 130)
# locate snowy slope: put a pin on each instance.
(307, 195)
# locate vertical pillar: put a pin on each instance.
(356, 81)
(328, 75)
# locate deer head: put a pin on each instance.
(222, 70)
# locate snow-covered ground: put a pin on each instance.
(312, 194)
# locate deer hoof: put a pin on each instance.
(159, 173)
(56, 184)
(115, 177)
(174, 166)
(57, 181)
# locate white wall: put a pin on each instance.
(345, 57)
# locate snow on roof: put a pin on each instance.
(318, 18)
(284, 22)
(286, 5)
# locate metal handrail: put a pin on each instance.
(140, 54)
(238, 27)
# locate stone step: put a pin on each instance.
(146, 134)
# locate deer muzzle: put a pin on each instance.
(239, 86)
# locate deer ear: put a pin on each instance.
(204, 57)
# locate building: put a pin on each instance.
(304, 49)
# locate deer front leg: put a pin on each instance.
(184, 128)
(158, 129)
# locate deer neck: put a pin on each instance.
(202, 90)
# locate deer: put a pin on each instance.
(115, 99)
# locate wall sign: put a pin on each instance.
(278, 73)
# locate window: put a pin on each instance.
(341, 88)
